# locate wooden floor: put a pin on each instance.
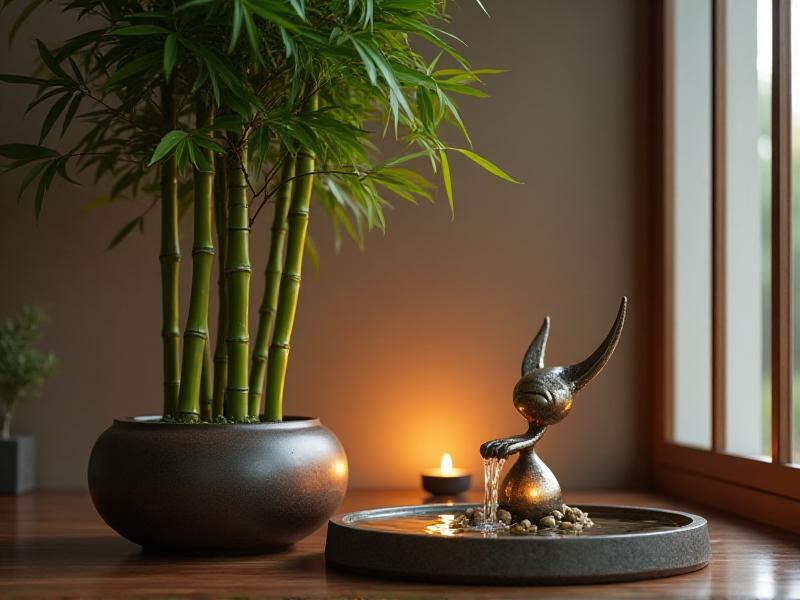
(54, 545)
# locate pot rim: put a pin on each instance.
(154, 422)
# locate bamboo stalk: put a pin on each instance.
(170, 259)
(272, 283)
(221, 346)
(196, 332)
(290, 280)
(237, 277)
(207, 385)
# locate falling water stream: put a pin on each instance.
(492, 467)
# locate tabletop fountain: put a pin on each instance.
(523, 532)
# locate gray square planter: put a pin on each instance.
(17, 464)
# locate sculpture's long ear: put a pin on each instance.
(580, 374)
(534, 357)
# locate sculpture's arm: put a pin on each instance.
(505, 447)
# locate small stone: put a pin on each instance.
(468, 512)
(504, 516)
(547, 522)
(477, 517)
(558, 515)
(588, 523)
(570, 517)
(518, 529)
(533, 529)
(525, 523)
(567, 525)
(564, 508)
(578, 513)
(577, 526)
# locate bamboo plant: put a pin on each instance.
(224, 107)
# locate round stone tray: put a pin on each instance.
(413, 542)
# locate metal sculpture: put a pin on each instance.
(544, 396)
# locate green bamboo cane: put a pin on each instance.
(272, 283)
(196, 332)
(207, 386)
(290, 280)
(170, 259)
(221, 346)
(237, 277)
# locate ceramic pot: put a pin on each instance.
(17, 464)
(216, 489)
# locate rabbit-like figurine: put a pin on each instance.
(544, 396)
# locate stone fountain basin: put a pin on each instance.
(627, 543)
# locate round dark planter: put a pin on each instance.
(216, 489)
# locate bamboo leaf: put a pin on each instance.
(27, 152)
(448, 182)
(166, 145)
(485, 164)
(192, 3)
(369, 10)
(34, 172)
(299, 8)
(140, 30)
(11, 78)
(288, 43)
(52, 115)
(250, 27)
(44, 184)
(61, 169)
(236, 24)
(21, 18)
(76, 71)
(486, 12)
(134, 67)
(70, 114)
(50, 61)
(170, 54)
(125, 231)
(270, 11)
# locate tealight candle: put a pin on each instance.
(445, 480)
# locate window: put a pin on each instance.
(728, 417)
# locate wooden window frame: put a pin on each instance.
(767, 491)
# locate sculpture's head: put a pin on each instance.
(544, 395)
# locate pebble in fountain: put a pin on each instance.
(544, 397)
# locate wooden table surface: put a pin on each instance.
(53, 544)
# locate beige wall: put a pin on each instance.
(412, 348)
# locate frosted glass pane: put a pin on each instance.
(748, 80)
(691, 89)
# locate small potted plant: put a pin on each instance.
(218, 109)
(23, 369)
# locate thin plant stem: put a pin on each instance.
(207, 385)
(290, 279)
(272, 283)
(170, 259)
(196, 332)
(221, 346)
(237, 277)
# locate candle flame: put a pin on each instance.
(447, 464)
